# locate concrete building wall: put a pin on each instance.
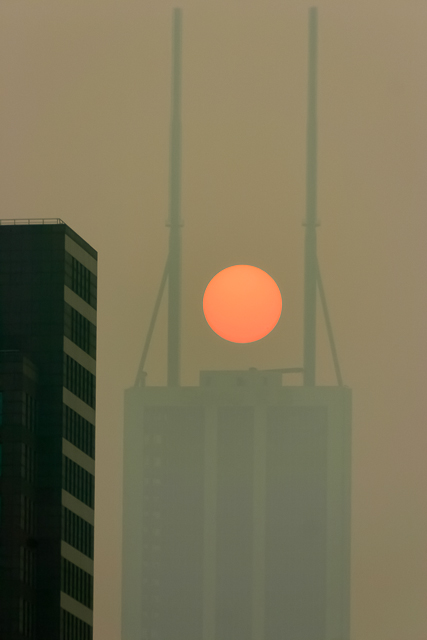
(236, 510)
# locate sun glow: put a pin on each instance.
(242, 303)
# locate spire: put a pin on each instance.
(310, 259)
(174, 267)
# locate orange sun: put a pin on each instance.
(242, 303)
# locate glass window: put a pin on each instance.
(77, 583)
(78, 482)
(79, 381)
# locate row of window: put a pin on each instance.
(21, 409)
(77, 532)
(76, 583)
(73, 628)
(28, 463)
(21, 459)
(80, 280)
(26, 618)
(30, 411)
(80, 330)
(77, 481)
(24, 275)
(28, 515)
(79, 431)
(28, 566)
(79, 381)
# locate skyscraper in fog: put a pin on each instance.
(237, 492)
(48, 277)
(237, 510)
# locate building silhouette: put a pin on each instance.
(236, 510)
(48, 277)
(236, 504)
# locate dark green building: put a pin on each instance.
(48, 284)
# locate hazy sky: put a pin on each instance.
(84, 136)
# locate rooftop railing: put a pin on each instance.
(19, 221)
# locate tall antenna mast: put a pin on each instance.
(174, 260)
(310, 258)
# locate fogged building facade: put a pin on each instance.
(237, 510)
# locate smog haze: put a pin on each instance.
(85, 121)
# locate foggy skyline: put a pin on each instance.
(85, 137)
